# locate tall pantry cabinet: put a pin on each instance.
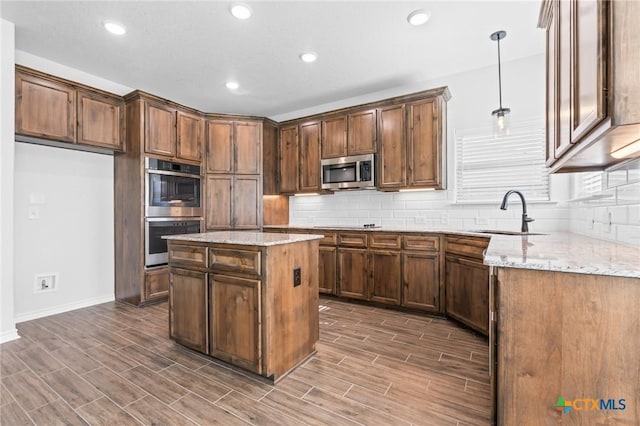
(233, 166)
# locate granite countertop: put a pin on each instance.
(243, 238)
(555, 251)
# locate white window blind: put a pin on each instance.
(487, 166)
(587, 184)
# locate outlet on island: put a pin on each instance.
(297, 277)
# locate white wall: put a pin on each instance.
(72, 194)
(474, 96)
(7, 41)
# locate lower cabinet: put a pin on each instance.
(328, 269)
(188, 312)
(235, 332)
(386, 276)
(353, 273)
(421, 281)
(467, 292)
(156, 284)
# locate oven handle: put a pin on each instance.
(162, 172)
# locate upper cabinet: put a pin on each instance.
(412, 142)
(299, 158)
(349, 134)
(52, 109)
(234, 147)
(593, 92)
(173, 132)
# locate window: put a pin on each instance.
(487, 166)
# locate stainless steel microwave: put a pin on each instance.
(172, 189)
(352, 172)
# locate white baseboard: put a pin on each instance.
(8, 336)
(28, 316)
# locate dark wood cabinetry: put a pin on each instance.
(353, 277)
(233, 183)
(299, 158)
(172, 132)
(328, 265)
(100, 120)
(467, 282)
(361, 132)
(189, 136)
(270, 158)
(422, 264)
(334, 137)
(52, 109)
(188, 313)
(237, 303)
(592, 89)
(392, 158)
(386, 276)
(425, 144)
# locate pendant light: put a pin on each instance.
(500, 115)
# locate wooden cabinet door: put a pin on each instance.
(327, 263)
(269, 159)
(386, 277)
(248, 147)
(247, 202)
(310, 157)
(424, 144)
(552, 89)
(219, 150)
(156, 284)
(563, 95)
(589, 61)
(334, 137)
(361, 138)
(288, 160)
(236, 332)
(421, 281)
(188, 313)
(218, 202)
(160, 129)
(352, 273)
(467, 292)
(100, 120)
(392, 158)
(45, 109)
(190, 135)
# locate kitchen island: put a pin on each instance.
(247, 298)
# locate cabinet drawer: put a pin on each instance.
(235, 260)
(423, 243)
(188, 255)
(467, 246)
(352, 240)
(384, 241)
(330, 239)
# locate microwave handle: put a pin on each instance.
(358, 165)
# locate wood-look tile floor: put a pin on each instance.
(113, 364)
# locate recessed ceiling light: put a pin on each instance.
(418, 17)
(232, 85)
(114, 28)
(309, 56)
(241, 10)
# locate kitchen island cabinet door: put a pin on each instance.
(352, 270)
(328, 263)
(236, 331)
(190, 136)
(421, 280)
(467, 292)
(386, 277)
(188, 313)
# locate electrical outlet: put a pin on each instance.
(45, 282)
(34, 212)
(297, 277)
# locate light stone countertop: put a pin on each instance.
(553, 251)
(250, 238)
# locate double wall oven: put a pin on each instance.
(173, 205)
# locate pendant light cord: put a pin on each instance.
(499, 75)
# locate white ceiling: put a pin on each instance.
(186, 51)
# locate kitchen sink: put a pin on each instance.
(501, 232)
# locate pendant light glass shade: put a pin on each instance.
(501, 115)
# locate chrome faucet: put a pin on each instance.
(525, 218)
